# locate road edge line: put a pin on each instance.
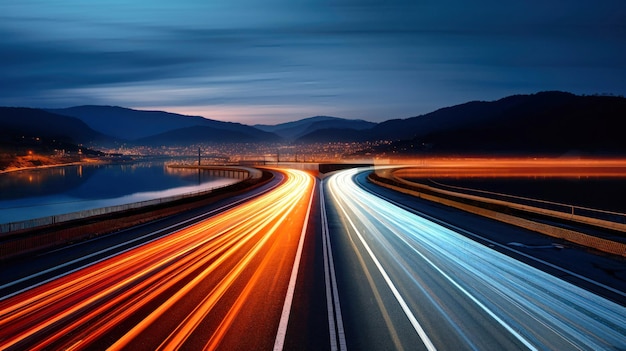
(335, 320)
(405, 308)
(281, 333)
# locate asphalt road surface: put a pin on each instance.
(223, 282)
(406, 282)
(300, 264)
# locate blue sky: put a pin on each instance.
(279, 60)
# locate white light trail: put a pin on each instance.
(538, 309)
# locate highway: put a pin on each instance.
(225, 281)
(408, 283)
(301, 264)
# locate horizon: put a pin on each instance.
(239, 62)
(297, 119)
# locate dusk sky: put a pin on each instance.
(278, 60)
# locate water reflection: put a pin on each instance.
(44, 192)
(40, 182)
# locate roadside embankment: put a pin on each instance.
(25, 237)
(508, 212)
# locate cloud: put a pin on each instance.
(366, 59)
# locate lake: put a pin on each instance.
(45, 192)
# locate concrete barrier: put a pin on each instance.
(586, 240)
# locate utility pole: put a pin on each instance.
(198, 157)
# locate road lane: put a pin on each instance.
(25, 273)
(412, 282)
(600, 274)
(221, 282)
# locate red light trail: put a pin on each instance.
(220, 282)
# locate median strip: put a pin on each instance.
(335, 320)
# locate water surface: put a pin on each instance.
(44, 192)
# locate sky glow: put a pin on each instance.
(274, 61)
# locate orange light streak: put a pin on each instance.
(78, 309)
(514, 167)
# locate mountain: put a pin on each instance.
(198, 135)
(553, 123)
(297, 129)
(36, 123)
(132, 124)
(31, 137)
(329, 135)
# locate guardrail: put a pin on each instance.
(226, 171)
(241, 173)
(387, 178)
(571, 210)
(596, 217)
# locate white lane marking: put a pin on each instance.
(581, 319)
(407, 311)
(500, 321)
(508, 248)
(332, 297)
(35, 275)
(284, 317)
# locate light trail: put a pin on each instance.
(407, 311)
(466, 295)
(173, 292)
(284, 317)
(141, 240)
(512, 167)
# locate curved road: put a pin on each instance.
(294, 266)
(224, 281)
(408, 283)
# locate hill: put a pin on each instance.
(32, 137)
(552, 123)
(329, 135)
(36, 123)
(132, 124)
(297, 129)
(199, 135)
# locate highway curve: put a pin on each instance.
(407, 283)
(224, 282)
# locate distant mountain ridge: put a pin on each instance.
(543, 123)
(29, 136)
(553, 123)
(32, 122)
(297, 129)
(199, 135)
(129, 124)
